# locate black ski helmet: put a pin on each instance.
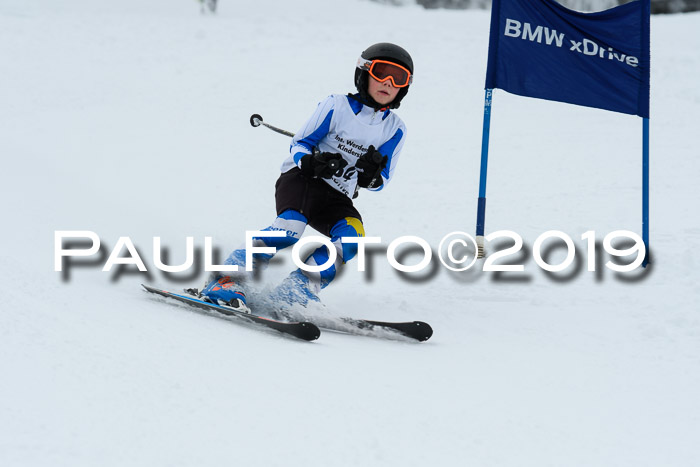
(382, 51)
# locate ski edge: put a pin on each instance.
(304, 330)
(415, 330)
(418, 330)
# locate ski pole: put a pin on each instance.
(256, 120)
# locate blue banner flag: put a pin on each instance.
(539, 48)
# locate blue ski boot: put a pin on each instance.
(224, 290)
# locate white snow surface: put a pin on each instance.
(130, 118)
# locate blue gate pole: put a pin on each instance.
(645, 189)
(481, 206)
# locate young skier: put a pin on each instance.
(350, 142)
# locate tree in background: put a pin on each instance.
(207, 4)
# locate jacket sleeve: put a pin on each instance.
(391, 149)
(315, 128)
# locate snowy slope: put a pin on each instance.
(130, 119)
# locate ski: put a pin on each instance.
(416, 330)
(302, 330)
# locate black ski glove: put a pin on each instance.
(370, 167)
(322, 164)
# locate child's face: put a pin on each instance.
(384, 93)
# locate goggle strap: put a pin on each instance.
(364, 64)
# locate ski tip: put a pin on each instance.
(422, 331)
(309, 331)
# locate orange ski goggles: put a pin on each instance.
(382, 70)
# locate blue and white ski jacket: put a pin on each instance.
(343, 125)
